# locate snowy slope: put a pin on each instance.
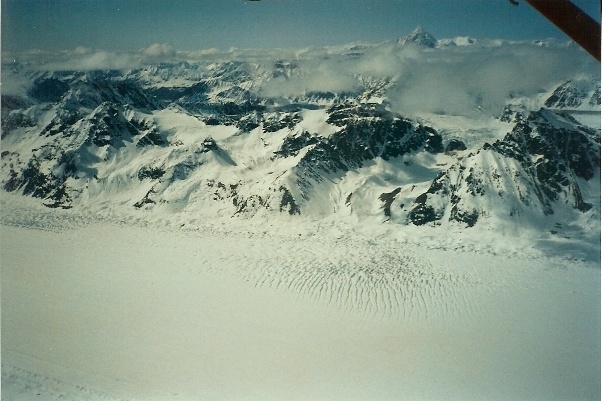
(537, 167)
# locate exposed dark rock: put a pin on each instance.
(12, 184)
(212, 121)
(566, 95)
(551, 155)
(249, 122)
(34, 182)
(61, 122)
(424, 214)
(16, 120)
(146, 200)
(248, 204)
(101, 115)
(181, 171)
(387, 198)
(153, 173)
(168, 94)
(288, 203)
(150, 133)
(343, 113)
(507, 115)
(10, 103)
(595, 98)
(279, 121)
(208, 145)
(225, 192)
(108, 127)
(348, 200)
(559, 148)
(48, 89)
(294, 143)
(455, 145)
(433, 142)
(152, 138)
(469, 218)
(227, 112)
(365, 139)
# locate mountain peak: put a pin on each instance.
(419, 37)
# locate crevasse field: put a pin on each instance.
(127, 307)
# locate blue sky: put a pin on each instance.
(126, 25)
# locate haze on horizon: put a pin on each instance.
(117, 25)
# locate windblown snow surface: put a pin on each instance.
(119, 307)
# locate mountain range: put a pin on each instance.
(403, 131)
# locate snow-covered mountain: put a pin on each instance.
(578, 95)
(538, 167)
(325, 132)
(419, 37)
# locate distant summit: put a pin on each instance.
(419, 37)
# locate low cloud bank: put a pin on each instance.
(85, 59)
(451, 79)
(460, 81)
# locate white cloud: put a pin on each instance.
(82, 50)
(79, 59)
(312, 76)
(104, 60)
(202, 53)
(84, 59)
(457, 80)
(452, 80)
(14, 84)
(158, 50)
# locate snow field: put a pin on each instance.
(123, 311)
(21, 385)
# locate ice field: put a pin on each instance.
(107, 309)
